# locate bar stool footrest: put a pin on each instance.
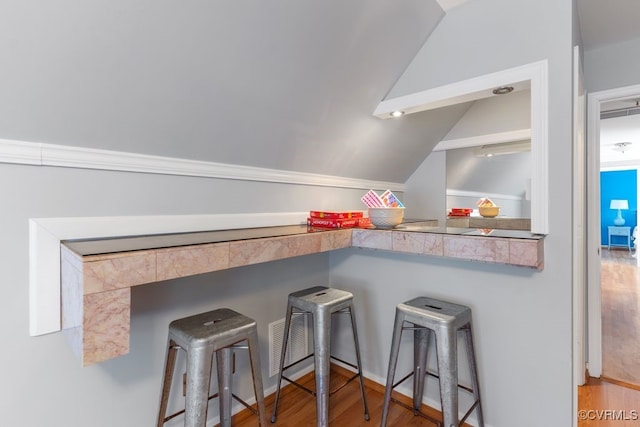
(213, 396)
(312, 392)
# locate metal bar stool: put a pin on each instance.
(200, 336)
(320, 302)
(426, 316)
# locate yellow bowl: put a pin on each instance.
(489, 211)
(386, 217)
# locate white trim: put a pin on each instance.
(45, 235)
(465, 193)
(533, 76)
(540, 148)
(463, 91)
(619, 165)
(21, 152)
(488, 139)
(579, 254)
(30, 153)
(594, 302)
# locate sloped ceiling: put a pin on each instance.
(606, 22)
(281, 84)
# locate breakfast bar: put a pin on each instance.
(97, 274)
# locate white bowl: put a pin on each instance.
(386, 217)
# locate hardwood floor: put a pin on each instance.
(613, 401)
(600, 404)
(620, 273)
(606, 404)
(297, 408)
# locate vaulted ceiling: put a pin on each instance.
(607, 22)
(279, 84)
(288, 85)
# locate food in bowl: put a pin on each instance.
(386, 217)
(489, 211)
(487, 208)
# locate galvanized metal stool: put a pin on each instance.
(426, 316)
(200, 336)
(320, 302)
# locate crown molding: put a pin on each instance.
(43, 154)
(477, 140)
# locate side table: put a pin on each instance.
(622, 232)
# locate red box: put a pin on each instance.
(460, 212)
(332, 222)
(336, 215)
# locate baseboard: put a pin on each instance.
(620, 383)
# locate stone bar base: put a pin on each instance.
(96, 282)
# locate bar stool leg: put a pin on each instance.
(285, 338)
(420, 353)
(393, 360)
(225, 371)
(357, 345)
(473, 369)
(198, 380)
(322, 350)
(447, 350)
(170, 364)
(256, 371)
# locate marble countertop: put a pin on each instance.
(97, 274)
(420, 227)
(87, 247)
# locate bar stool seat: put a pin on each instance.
(426, 316)
(201, 336)
(320, 302)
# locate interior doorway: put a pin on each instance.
(594, 239)
(620, 293)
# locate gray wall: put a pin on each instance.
(124, 392)
(502, 174)
(522, 318)
(496, 114)
(612, 66)
(253, 83)
(428, 201)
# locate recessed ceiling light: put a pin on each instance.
(396, 113)
(502, 90)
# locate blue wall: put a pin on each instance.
(622, 185)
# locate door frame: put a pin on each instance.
(594, 301)
(579, 275)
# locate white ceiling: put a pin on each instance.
(620, 129)
(604, 22)
(279, 84)
(250, 83)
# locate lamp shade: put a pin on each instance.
(619, 204)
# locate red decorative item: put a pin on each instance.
(332, 222)
(336, 215)
(460, 212)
